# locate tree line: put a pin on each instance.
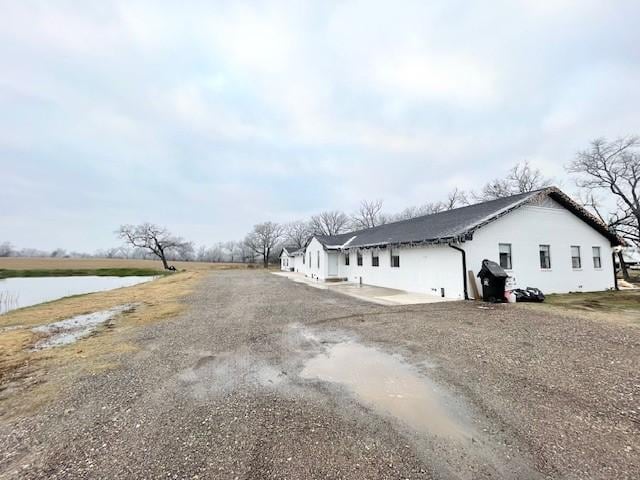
(607, 175)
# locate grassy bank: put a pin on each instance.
(74, 272)
(622, 307)
(29, 378)
(607, 301)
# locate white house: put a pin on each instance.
(542, 239)
(291, 259)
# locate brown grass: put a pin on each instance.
(24, 373)
(621, 306)
(23, 263)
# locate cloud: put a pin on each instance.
(211, 117)
(439, 79)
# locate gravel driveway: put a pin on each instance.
(242, 386)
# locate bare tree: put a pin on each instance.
(114, 252)
(522, 178)
(613, 167)
(246, 254)
(6, 249)
(201, 254)
(59, 253)
(616, 221)
(456, 198)
(184, 252)
(417, 211)
(232, 250)
(369, 215)
(32, 252)
(110, 253)
(263, 239)
(297, 233)
(329, 223)
(154, 239)
(217, 252)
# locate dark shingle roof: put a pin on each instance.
(457, 224)
(290, 249)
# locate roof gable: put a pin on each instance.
(288, 250)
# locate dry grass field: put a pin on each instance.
(21, 263)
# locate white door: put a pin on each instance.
(333, 264)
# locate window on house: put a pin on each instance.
(395, 259)
(576, 261)
(504, 250)
(545, 257)
(346, 258)
(597, 261)
(318, 258)
(375, 259)
(359, 258)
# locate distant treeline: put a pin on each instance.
(227, 252)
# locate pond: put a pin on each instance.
(25, 291)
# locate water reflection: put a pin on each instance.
(23, 292)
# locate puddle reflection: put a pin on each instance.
(390, 386)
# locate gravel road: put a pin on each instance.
(219, 392)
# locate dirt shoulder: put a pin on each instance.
(216, 391)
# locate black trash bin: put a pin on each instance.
(493, 278)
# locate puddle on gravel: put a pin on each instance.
(392, 387)
(73, 329)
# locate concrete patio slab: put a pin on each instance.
(369, 293)
(300, 278)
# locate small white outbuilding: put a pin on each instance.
(291, 258)
(542, 239)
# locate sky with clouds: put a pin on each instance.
(209, 117)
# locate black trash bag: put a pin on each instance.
(530, 294)
(536, 294)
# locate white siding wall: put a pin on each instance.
(526, 229)
(422, 270)
(286, 262)
(297, 263)
(314, 248)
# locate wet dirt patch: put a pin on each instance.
(390, 386)
(73, 329)
(439, 422)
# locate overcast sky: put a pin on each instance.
(208, 117)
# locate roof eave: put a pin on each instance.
(457, 238)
